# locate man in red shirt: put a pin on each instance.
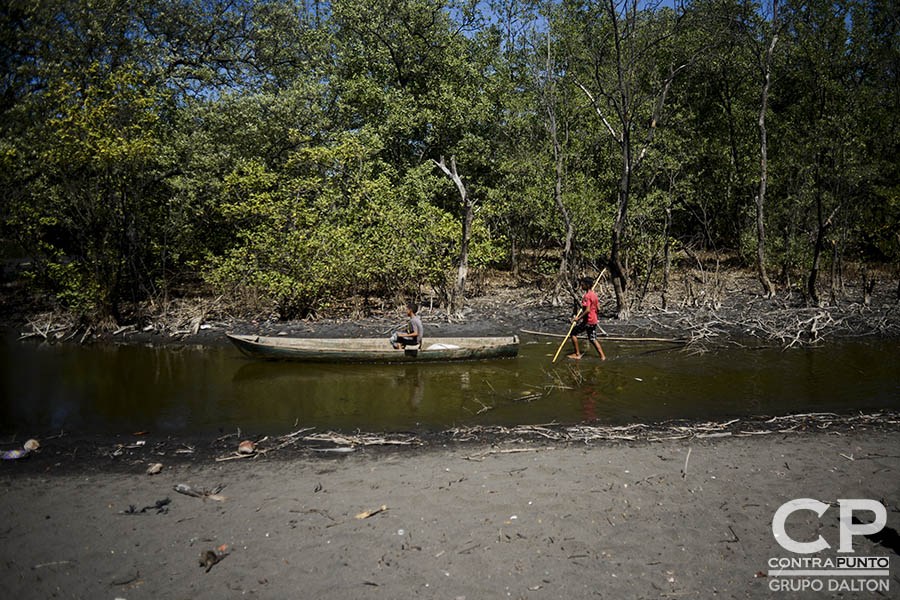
(588, 320)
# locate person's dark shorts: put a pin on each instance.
(396, 340)
(590, 331)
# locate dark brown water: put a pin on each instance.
(125, 388)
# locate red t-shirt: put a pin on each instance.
(592, 304)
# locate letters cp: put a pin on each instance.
(847, 527)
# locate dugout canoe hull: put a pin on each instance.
(376, 350)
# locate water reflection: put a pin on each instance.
(124, 388)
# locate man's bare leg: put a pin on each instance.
(599, 349)
(577, 354)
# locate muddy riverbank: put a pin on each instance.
(63, 451)
(731, 313)
(517, 519)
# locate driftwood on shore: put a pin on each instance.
(327, 441)
(176, 318)
(680, 429)
(787, 326)
(752, 426)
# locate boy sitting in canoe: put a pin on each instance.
(413, 335)
(588, 320)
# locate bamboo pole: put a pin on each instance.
(612, 338)
(575, 320)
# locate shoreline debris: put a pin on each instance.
(213, 494)
(209, 559)
(371, 513)
(29, 447)
(679, 429)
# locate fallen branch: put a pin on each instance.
(213, 494)
(52, 564)
(361, 439)
(371, 513)
(481, 457)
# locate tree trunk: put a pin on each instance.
(619, 276)
(513, 255)
(817, 251)
(824, 224)
(735, 175)
(768, 288)
(570, 234)
(557, 192)
(459, 291)
(558, 161)
(868, 285)
(650, 268)
(667, 255)
(621, 99)
(834, 263)
(457, 296)
(840, 269)
(898, 277)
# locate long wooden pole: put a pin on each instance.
(575, 320)
(612, 338)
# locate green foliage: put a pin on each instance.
(89, 198)
(289, 148)
(334, 222)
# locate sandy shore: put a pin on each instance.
(471, 520)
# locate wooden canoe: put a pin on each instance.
(375, 349)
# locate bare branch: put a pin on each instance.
(453, 175)
(657, 111)
(600, 114)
